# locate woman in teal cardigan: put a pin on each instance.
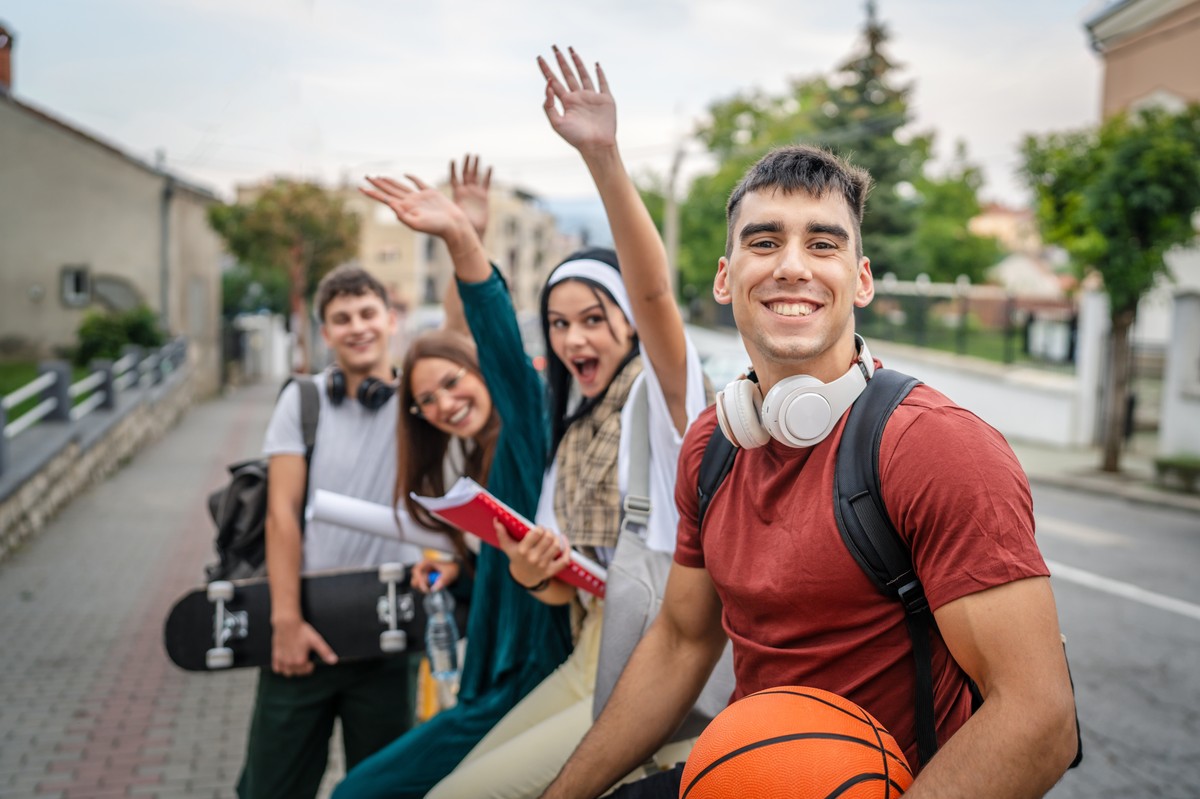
(514, 641)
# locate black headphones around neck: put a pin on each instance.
(372, 394)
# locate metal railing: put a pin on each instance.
(985, 321)
(61, 401)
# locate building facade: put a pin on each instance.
(84, 225)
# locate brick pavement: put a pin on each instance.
(89, 704)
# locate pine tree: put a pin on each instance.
(865, 111)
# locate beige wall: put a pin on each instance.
(1148, 57)
(70, 200)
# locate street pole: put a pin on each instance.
(671, 221)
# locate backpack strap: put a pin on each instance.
(869, 534)
(635, 510)
(310, 414)
(715, 466)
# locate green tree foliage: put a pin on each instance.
(295, 229)
(245, 289)
(943, 245)
(1117, 198)
(914, 224)
(862, 120)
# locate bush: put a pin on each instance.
(103, 334)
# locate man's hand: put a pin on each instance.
(291, 643)
(423, 208)
(471, 193)
(588, 120)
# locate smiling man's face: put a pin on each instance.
(793, 278)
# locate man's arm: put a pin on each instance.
(665, 675)
(292, 638)
(588, 122)
(1023, 737)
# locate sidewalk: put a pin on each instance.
(1079, 470)
(89, 704)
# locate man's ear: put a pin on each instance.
(325, 334)
(865, 290)
(393, 321)
(721, 292)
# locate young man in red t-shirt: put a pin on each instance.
(769, 569)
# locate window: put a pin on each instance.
(76, 287)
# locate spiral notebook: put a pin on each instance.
(470, 507)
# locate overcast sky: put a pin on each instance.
(235, 90)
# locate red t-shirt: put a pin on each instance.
(797, 606)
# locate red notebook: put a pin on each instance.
(470, 507)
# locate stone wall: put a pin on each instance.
(86, 459)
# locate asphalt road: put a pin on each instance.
(1129, 603)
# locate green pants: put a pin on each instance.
(293, 721)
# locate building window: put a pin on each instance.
(76, 286)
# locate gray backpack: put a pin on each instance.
(637, 578)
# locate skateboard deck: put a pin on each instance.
(362, 614)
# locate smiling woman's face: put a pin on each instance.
(450, 397)
(588, 333)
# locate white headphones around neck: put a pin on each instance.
(799, 411)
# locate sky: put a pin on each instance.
(233, 91)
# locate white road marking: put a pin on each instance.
(1085, 534)
(1124, 590)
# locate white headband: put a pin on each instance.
(597, 272)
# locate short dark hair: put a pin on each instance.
(812, 170)
(347, 279)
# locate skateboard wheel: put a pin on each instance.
(393, 641)
(220, 590)
(219, 658)
(391, 572)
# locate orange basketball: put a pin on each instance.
(795, 742)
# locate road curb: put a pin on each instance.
(1141, 493)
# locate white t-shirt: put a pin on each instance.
(665, 442)
(354, 455)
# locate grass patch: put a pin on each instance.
(14, 374)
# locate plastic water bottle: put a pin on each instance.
(441, 640)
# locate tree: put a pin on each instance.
(246, 289)
(858, 112)
(1117, 198)
(862, 120)
(295, 229)
(943, 245)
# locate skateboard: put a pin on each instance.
(361, 614)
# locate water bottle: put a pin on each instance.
(441, 641)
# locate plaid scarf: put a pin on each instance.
(587, 497)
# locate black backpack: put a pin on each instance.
(239, 508)
(867, 531)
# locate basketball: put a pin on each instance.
(795, 742)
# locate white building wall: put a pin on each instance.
(1179, 431)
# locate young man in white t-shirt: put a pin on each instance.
(354, 454)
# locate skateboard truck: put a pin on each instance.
(226, 625)
(393, 608)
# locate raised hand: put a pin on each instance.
(588, 117)
(471, 193)
(423, 208)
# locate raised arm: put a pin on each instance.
(1023, 737)
(426, 210)
(665, 675)
(471, 195)
(587, 120)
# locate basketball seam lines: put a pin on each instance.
(799, 736)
